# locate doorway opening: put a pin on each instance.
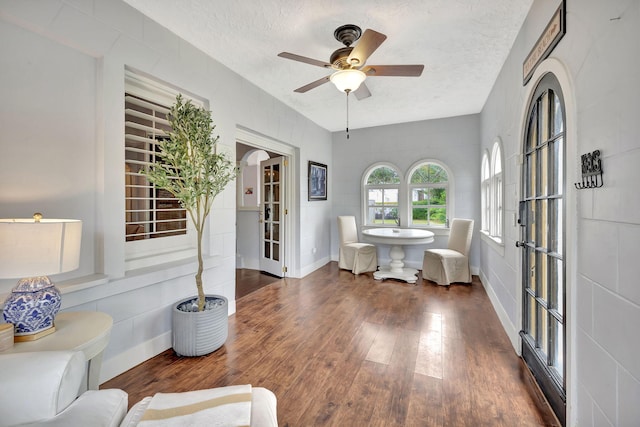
(264, 218)
(543, 243)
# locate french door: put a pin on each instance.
(272, 216)
(542, 213)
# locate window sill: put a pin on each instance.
(146, 260)
(494, 243)
(438, 231)
(72, 285)
(87, 289)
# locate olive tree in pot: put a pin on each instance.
(194, 173)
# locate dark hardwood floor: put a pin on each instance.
(248, 281)
(345, 350)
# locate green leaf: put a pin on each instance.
(189, 168)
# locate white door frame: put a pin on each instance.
(272, 215)
(555, 66)
(247, 137)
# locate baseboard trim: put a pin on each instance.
(134, 356)
(509, 328)
(312, 267)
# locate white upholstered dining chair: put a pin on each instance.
(354, 256)
(446, 266)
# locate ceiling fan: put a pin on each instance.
(348, 62)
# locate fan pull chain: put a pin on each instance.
(347, 91)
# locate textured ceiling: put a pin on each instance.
(462, 43)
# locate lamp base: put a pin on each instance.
(31, 307)
(33, 337)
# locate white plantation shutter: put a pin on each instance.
(151, 214)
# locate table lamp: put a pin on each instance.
(31, 249)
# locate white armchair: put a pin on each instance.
(446, 266)
(354, 256)
(41, 389)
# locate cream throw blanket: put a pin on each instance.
(224, 406)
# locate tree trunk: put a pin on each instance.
(201, 297)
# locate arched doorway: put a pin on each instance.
(542, 220)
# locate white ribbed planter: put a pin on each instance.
(201, 332)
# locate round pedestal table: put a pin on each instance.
(397, 238)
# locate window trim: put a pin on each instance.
(496, 226)
(404, 196)
(409, 188)
(492, 197)
(150, 252)
(485, 192)
(364, 188)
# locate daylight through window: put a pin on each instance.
(419, 201)
(492, 193)
(428, 194)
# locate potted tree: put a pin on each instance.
(194, 173)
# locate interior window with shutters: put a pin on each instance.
(150, 212)
(157, 228)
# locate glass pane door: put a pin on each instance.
(542, 243)
(272, 216)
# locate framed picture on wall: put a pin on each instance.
(317, 178)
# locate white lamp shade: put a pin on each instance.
(347, 80)
(29, 248)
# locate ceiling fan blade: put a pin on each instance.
(304, 59)
(312, 85)
(362, 92)
(367, 44)
(393, 70)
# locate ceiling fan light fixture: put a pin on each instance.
(348, 80)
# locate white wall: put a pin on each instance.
(61, 146)
(598, 62)
(452, 141)
(248, 239)
(61, 153)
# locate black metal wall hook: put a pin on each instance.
(593, 181)
(591, 171)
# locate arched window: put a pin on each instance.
(492, 193)
(495, 229)
(381, 193)
(428, 187)
(485, 193)
(420, 200)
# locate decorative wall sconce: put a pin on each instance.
(591, 171)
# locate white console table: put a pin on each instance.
(86, 331)
(397, 237)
